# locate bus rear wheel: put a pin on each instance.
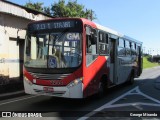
(131, 79)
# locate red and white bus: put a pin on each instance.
(76, 58)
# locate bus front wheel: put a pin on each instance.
(101, 89)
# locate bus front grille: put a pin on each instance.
(49, 76)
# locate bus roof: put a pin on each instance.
(109, 30)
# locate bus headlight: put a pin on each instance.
(28, 81)
(75, 82)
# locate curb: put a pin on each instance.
(12, 95)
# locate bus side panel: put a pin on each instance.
(93, 74)
(123, 69)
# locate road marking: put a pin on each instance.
(18, 100)
(151, 98)
(134, 91)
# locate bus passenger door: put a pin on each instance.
(113, 61)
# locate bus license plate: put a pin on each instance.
(48, 89)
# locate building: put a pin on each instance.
(13, 22)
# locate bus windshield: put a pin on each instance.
(53, 49)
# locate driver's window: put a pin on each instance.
(90, 41)
(91, 45)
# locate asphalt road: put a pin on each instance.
(138, 101)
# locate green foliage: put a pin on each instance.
(61, 9)
(35, 6)
(147, 63)
(71, 9)
(47, 10)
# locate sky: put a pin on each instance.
(139, 19)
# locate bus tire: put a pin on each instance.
(131, 79)
(102, 89)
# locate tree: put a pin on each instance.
(60, 9)
(71, 9)
(47, 10)
(35, 6)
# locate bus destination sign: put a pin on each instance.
(52, 25)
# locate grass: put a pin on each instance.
(147, 63)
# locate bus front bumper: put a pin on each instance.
(69, 91)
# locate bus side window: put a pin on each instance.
(91, 40)
(121, 47)
(128, 49)
(91, 48)
(103, 43)
(88, 40)
(91, 45)
(133, 50)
